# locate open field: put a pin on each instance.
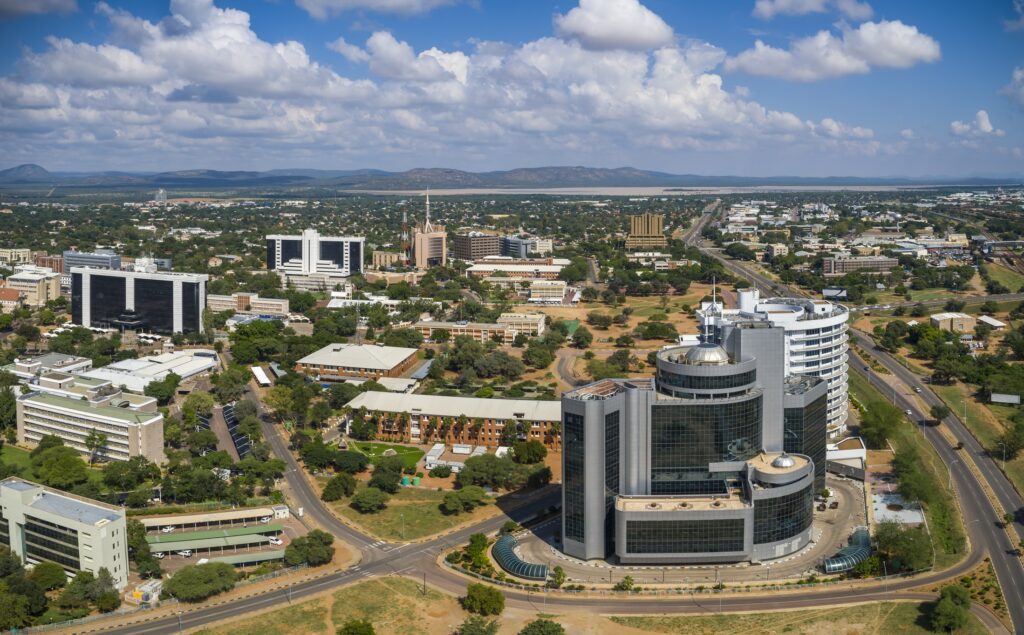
(944, 520)
(412, 513)
(1005, 276)
(885, 617)
(409, 455)
(986, 422)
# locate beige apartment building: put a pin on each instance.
(385, 259)
(37, 285)
(508, 326)
(247, 303)
(840, 266)
(646, 230)
(15, 256)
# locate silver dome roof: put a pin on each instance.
(783, 460)
(707, 354)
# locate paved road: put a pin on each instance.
(983, 521)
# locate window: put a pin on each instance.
(684, 536)
(574, 461)
(707, 383)
(804, 433)
(782, 518)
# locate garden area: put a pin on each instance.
(375, 451)
(411, 513)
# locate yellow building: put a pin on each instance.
(646, 230)
(37, 285)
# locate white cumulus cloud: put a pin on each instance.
(768, 9)
(322, 9)
(907, 133)
(980, 127)
(614, 24)
(1016, 24)
(350, 52)
(1015, 89)
(887, 43)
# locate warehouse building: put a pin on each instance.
(338, 362)
(953, 321)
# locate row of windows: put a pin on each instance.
(685, 438)
(34, 544)
(804, 433)
(684, 536)
(695, 382)
(50, 530)
(783, 517)
(574, 461)
(611, 475)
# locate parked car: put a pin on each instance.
(168, 529)
(185, 553)
(908, 412)
(265, 519)
(159, 555)
(833, 505)
(821, 507)
(276, 541)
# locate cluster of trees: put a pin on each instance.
(462, 500)
(878, 423)
(471, 360)
(540, 351)
(617, 364)
(197, 582)
(489, 470)
(481, 625)
(903, 548)
(28, 598)
(654, 329)
(340, 486)
(313, 549)
(483, 599)
(80, 341)
(319, 456)
(950, 613)
(139, 552)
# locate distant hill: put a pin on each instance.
(323, 181)
(26, 173)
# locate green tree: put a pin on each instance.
(532, 451)
(49, 575)
(369, 500)
(939, 412)
(947, 616)
(60, 467)
(199, 403)
(195, 583)
(479, 625)
(95, 441)
(357, 627)
(558, 578)
(13, 611)
(313, 549)
(542, 627)
(8, 409)
(340, 486)
(483, 600)
(582, 338)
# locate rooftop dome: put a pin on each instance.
(783, 460)
(707, 354)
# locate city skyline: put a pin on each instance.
(760, 88)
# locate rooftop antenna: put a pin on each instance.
(427, 227)
(711, 309)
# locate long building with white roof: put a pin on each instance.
(135, 374)
(438, 418)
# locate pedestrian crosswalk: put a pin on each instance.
(381, 545)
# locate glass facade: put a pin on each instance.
(191, 307)
(154, 304)
(706, 383)
(804, 433)
(355, 256)
(106, 299)
(685, 438)
(5, 531)
(49, 541)
(574, 460)
(334, 251)
(291, 249)
(783, 517)
(76, 298)
(271, 254)
(611, 476)
(684, 536)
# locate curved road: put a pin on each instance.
(419, 559)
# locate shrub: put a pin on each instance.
(341, 486)
(483, 600)
(369, 500)
(357, 627)
(313, 549)
(462, 500)
(542, 627)
(441, 471)
(49, 575)
(198, 582)
(108, 601)
(479, 625)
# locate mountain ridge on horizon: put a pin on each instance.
(545, 177)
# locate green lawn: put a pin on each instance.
(979, 422)
(412, 513)
(410, 456)
(17, 457)
(944, 519)
(881, 617)
(1011, 279)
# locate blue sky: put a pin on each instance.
(750, 87)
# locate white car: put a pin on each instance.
(265, 520)
(276, 541)
(159, 555)
(908, 412)
(168, 529)
(185, 553)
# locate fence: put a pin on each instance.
(159, 603)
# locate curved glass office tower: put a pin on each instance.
(707, 462)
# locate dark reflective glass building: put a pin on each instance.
(714, 460)
(157, 302)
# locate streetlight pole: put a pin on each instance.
(1004, 453)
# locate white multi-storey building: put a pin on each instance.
(816, 341)
(312, 261)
